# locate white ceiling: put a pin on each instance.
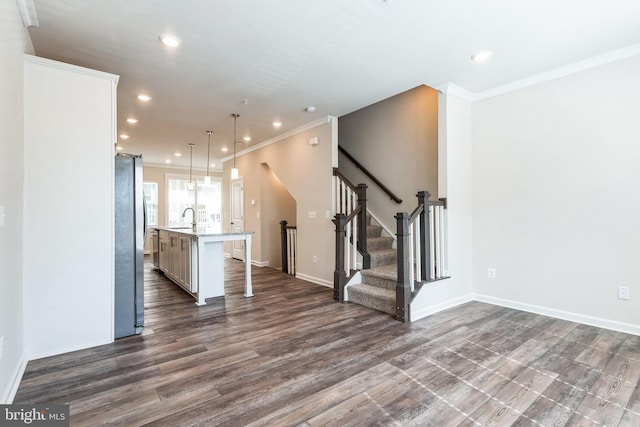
(284, 55)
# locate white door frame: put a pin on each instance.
(237, 218)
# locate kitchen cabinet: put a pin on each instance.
(175, 258)
(174, 255)
(194, 259)
(163, 241)
(184, 277)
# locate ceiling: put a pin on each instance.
(268, 60)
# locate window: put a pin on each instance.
(150, 190)
(205, 199)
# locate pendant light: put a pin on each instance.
(207, 179)
(190, 184)
(234, 170)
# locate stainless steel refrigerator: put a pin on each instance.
(130, 233)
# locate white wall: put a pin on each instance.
(14, 41)
(68, 210)
(556, 197)
(455, 183)
(306, 173)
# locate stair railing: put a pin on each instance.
(422, 250)
(288, 245)
(370, 175)
(351, 231)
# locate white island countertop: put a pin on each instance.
(201, 231)
(208, 254)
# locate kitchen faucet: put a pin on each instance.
(194, 224)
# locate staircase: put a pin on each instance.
(386, 284)
(378, 287)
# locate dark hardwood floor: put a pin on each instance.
(292, 356)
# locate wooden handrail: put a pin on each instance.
(336, 172)
(370, 175)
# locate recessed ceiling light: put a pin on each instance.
(169, 40)
(124, 136)
(481, 55)
(177, 154)
(225, 149)
(143, 97)
(132, 120)
(310, 109)
(277, 124)
(168, 161)
(119, 148)
(247, 138)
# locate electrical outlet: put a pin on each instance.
(315, 259)
(491, 273)
(623, 292)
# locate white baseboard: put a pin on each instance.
(315, 280)
(256, 263)
(445, 305)
(10, 393)
(599, 322)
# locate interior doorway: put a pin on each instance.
(237, 217)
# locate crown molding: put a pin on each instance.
(319, 122)
(567, 70)
(576, 67)
(28, 13)
(179, 168)
(72, 68)
(457, 91)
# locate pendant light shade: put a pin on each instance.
(191, 185)
(207, 179)
(234, 170)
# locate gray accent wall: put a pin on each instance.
(397, 140)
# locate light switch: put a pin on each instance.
(2, 215)
(312, 214)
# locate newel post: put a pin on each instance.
(339, 276)
(425, 238)
(361, 189)
(403, 288)
(283, 246)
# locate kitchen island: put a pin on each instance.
(195, 259)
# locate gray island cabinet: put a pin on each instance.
(194, 260)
